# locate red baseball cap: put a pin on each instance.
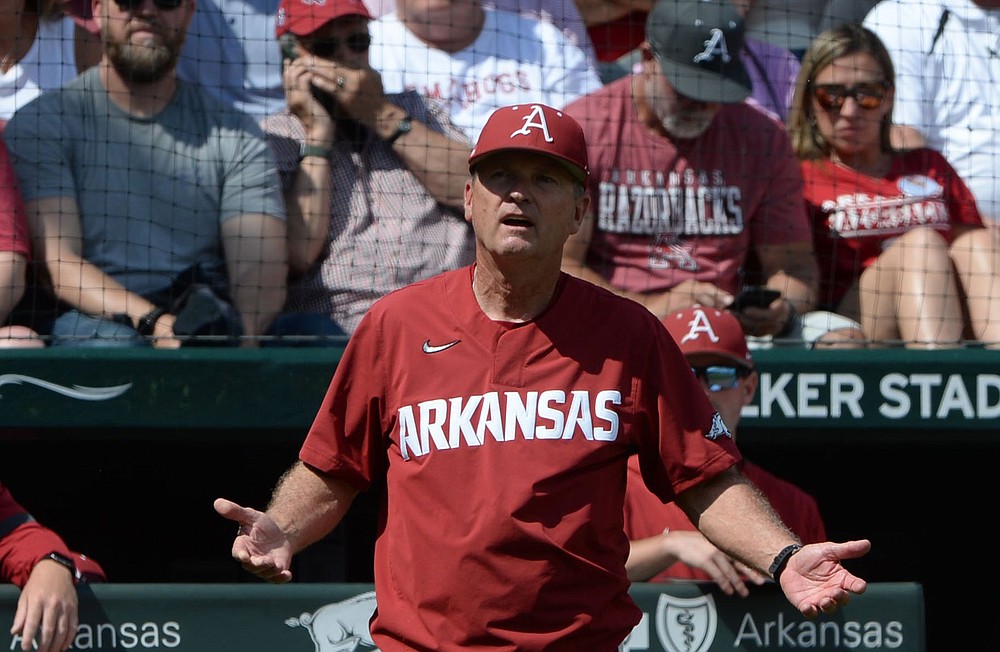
(701, 330)
(303, 17)
(534, 128)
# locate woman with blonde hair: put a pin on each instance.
(901, 246)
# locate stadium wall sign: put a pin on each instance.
(200, 389)
(677, 617)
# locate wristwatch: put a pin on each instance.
(313, 150)
(404, 126)
(65, 561)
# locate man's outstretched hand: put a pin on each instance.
(815, 580)
(260, 546)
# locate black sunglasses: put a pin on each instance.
(327, 48)
(720, 377)
(162, 5)
(868, 96)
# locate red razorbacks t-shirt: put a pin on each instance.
(647, 516)
(855, 216)
(504, 447)
(666, 211)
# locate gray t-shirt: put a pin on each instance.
(153, 192)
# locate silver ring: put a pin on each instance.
(340, 82)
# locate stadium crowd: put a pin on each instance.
(175, 175)
(361, 115)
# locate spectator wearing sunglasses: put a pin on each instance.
(665, 544)
(374, 183)
(897, 233)
(131, 178)
(689, 183)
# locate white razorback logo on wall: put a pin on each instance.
(534, 120)
(714, 46)
(76, 391)
(340, 626)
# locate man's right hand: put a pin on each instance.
(260, 546)
(47, 609)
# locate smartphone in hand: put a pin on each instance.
(755, 296)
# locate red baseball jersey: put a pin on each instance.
(666, 211)
(855, 216)
(647, 516)
(504, 448)
(23, 541)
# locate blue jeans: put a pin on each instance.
(289, 329)
(304, 329)
(76, 329)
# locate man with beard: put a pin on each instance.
(694, 191)
(136, 182)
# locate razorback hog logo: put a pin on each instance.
(340, 626)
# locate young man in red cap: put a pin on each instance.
(665, 544)
(36, 559)
(501, 404)
(373, 183)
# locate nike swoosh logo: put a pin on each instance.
(429, 348)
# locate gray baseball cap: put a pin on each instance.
(698, 45)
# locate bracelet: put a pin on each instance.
(781, 560)
(404, 126)
(314, 150)
(146, 324)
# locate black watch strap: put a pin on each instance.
(65, 561)
(781, 560)
(147, 323)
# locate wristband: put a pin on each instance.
(781, 560)
(314, 150)
(147, 323)
(404, 126)
(63, 560)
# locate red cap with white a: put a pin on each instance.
(303, 17)
(701, 330)
(534, 128)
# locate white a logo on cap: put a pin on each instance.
(698, 325)
(534, 120)
(715, 46)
